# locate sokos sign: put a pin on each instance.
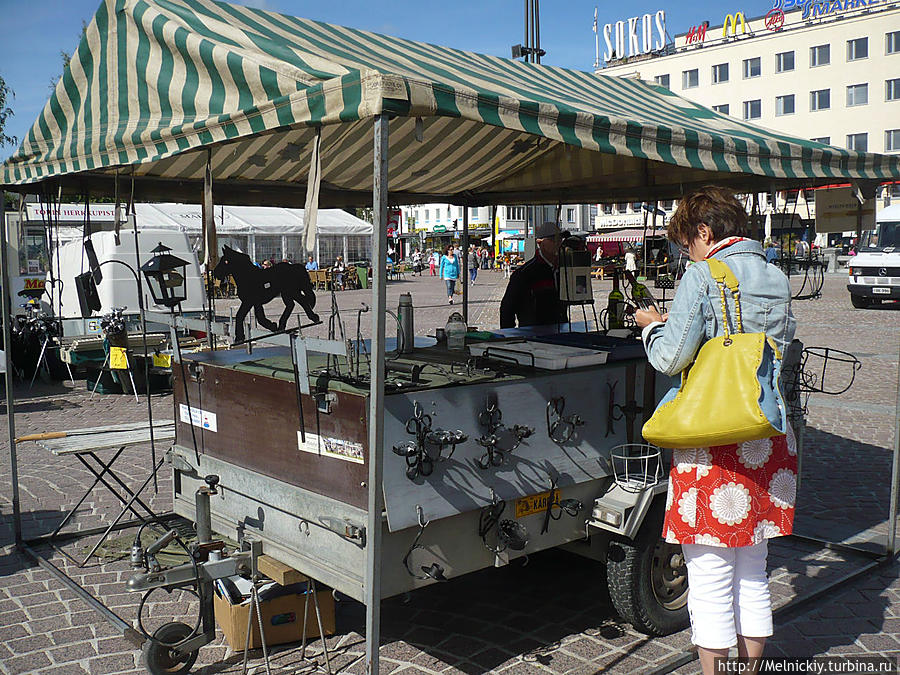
(614, 36)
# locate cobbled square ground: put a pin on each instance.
(553, 615)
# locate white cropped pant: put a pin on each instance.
(728, 594)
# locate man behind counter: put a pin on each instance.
(532, 296)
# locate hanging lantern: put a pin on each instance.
(166, 276)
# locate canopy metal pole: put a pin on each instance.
(465, 264)
(8, 380)
(376, 396)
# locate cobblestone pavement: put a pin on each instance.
(553, 615)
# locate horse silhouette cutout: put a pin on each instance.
(257, 286)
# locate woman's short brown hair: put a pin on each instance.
(715, 207)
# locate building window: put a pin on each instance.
(892, 90)
(662, 80)
(857, 94)
(720, 73)
(636, 207)
(721, 108)
(752, 68)
(858, 142)
(570, 215)
(607, 209)
(667, 204)
(752, 110)
(822, 139)
(690, 79)
(892, 42)
(892, 140)
(820, 100)
(858, 49)
(427, 215)
(622, 207)
(473, 213)
(820, 55)
(784, 62)
(784, 105)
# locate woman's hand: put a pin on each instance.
(644, 317)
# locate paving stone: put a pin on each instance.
(111, 664)
(879, 643)
(67, 635)
(27, 663)
(29, 644)
(73, 652)
(64, 669)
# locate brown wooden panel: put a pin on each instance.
(258, 421)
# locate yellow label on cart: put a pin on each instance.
(118, 358)
(162, 360)
(527, 506)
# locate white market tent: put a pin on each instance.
(260, 231)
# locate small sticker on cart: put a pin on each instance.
(337, 448)
(198, 418)
(527, 506)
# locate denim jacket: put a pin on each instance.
(696, 312)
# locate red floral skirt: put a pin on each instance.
(732, 495)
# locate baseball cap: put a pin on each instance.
(546, 229)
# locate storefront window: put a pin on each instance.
(33, 256)
(359, 248)
(268, 247)
(330, 247)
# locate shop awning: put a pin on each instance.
(634, 235)
(155, 85)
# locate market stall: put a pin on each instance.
(243, 106)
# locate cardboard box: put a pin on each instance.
(282, 620)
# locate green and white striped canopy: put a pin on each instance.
(158, 86)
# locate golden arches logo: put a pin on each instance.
(732, 21)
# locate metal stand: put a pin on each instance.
(311, 590)
(376, 397)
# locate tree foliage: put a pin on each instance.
(5, 113)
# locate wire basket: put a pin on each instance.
(636, 466)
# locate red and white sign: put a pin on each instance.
(696, 33)
(394, 218)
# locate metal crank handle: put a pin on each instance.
(181, 575)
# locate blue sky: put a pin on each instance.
(34, 32)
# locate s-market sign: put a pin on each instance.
(812, 9)
(640, 36)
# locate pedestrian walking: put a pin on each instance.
(433, 261)
(724, 502)
(449, 271)
(473, 264)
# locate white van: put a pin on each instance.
(118, 287)
(874, 273)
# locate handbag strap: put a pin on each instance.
(723, 276)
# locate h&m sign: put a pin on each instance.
(640, 38)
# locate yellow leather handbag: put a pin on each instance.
(724, 392)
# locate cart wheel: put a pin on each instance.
(159, 657)
(859, 301)
(648, 579)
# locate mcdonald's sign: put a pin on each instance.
(731, 21)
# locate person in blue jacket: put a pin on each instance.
(449, 270)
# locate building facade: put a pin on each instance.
(447, 218)
(826, 71)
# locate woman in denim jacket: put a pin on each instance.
(724, 502)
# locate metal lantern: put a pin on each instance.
(165, 275)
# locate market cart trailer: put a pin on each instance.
(475, 449)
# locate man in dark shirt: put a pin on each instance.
(532, 295)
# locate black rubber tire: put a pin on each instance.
(158, 657)
(860, 302)
(629, 574)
